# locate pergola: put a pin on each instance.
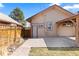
(75, 20)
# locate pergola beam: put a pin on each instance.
(74, 23)
(77, 30)
(68, 19)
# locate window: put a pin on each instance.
(49, 26)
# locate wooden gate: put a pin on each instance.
(26, 33)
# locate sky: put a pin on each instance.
(30, 9)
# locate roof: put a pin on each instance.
(69, 18)
(6, 18)
(51, 7)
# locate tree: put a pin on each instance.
(17, 15)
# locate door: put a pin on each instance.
(34, 31)
(38, 30)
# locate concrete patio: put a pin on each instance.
(25, 48)
(60, 42)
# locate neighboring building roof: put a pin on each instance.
(6, 18)
(51, 7)
(27, 24)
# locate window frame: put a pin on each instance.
(49, 26)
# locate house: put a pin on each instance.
(55, 21)
(44, 24)
(10, 33)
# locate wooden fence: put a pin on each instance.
(9, 35)
(26, 33)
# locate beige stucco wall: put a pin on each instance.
(53, 16)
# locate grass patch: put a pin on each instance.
(43, 51)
